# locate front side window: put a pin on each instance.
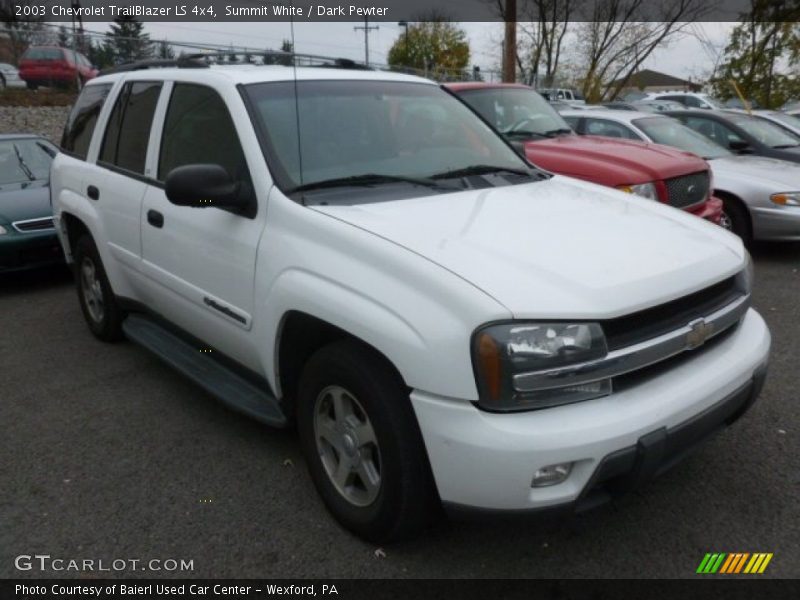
(83, 119)
(199, 130)
(128, 130)
(713, 130)
(334, 130)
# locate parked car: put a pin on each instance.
(562, 95)
(644, 105)
(787, 122)
(687, 99)
(742, 133)
(656, 173)
(9, 76)
(760, 195)
(27, 235)
(370, 261)
(54, 66)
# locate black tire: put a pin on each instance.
(739, 219)
(32, 86)
(105, 323)
(406, 499)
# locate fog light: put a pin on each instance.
(551, 475)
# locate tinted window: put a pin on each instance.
(128, 131)
(714, 130)
(670, 132)
(82, 120)
(199, 129)
(608, 129)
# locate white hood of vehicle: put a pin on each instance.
(782, 175)
(559, 248)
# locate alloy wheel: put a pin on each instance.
(92, 290)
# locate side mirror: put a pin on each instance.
(204, 186)
(739, 146)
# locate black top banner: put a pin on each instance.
(390, 10)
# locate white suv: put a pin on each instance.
(358, 255)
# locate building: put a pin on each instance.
(653, 81)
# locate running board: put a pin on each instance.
(218, 380)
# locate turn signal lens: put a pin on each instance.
(489, 361)
(786, 198)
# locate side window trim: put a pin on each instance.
(125, 90)
(156, 131)
(102, 122)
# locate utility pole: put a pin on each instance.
(366, 27)
(510, 43)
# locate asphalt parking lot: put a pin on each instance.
(105, 454)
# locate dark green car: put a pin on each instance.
(27, 236)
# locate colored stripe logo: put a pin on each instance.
(734, 563)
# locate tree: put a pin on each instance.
(23, 32)
(127, 41)
(100, 55)
(767, 37)
(273, 59)
(438, 47)
(619, 35)
(165, 51)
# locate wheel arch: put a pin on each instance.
(725, 195)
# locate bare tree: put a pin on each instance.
(620, 35)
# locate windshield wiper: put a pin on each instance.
(25, 168)
(559, 131)
(369, 179)
(523, 133)
(479, 170)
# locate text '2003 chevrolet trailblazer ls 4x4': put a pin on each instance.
(443, 321)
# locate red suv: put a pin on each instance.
(54, 66)
(653, 171)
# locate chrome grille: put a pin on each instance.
(33, 225)
(687, 190)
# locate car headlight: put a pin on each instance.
(503, 354)
(786, 198)
(645, 190)
(3, 230)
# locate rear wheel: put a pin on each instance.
(362, 443)
(97, 300)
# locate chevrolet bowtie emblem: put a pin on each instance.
(700, 332)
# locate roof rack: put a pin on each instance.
(203, 60)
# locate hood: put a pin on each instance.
(783, 175)
(558, 248)
(21, 204)
(611, 162)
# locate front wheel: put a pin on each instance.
(362, 443)
(736, 219)
(97, 300)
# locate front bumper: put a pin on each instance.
(483, 460)
(781, 223)
(20, 251)
(710, 210)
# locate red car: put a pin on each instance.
(656, 172)
(55, 67)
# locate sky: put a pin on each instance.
(685, 58)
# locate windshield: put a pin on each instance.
(790, 120)
(25, 161)
(370, 132)
(517, 111)
(765, 132)
(667, 131)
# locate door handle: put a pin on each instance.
(155, 218)
(93, 192)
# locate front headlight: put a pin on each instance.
(645, 190)
(786, 198)
(3, 230)
(503, 354)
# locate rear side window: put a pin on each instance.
(128, 130)
(199, 129)
(83, 119)
(43, 54)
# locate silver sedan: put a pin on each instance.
(761, 195)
